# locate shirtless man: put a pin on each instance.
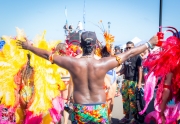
(88, 76)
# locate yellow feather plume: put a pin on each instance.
(47, 81)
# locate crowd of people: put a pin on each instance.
(69, 29)
(89, 82)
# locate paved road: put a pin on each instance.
(118, 110)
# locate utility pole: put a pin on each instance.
(160, 15)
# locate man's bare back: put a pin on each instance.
(88, 78)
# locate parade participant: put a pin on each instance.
(88, 76)
(24, 80)
(66, 31)
(65, 76)
(26, 103)
(79, 28)
(71, 30)
(9, 93)
(66, 49)
(111, 82)
(164, 64)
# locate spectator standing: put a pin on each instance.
(79, 27)
(66, 31)
(133, 76)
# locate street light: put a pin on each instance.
(109, 23)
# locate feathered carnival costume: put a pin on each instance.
(160, 63)
(109, 39)
(68, 48)
(30, 85)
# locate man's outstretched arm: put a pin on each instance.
(62, 61)
(137, 50)
(27, 46)
(111, 62)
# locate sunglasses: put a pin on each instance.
(128, 48)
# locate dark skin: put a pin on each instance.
(165, 97)
(87, 72)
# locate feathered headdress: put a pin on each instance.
(70, 50)
(109, 39)
(2, 42)
(160, 63)
(47, 80)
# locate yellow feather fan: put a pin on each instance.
(47, 80)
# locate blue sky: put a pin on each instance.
(129, 18)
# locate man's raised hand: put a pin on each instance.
(153, 40)
(23, 44)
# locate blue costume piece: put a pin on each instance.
(112, 74)
(2, 42)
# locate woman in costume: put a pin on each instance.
(66, 49)
(110, 78)
(65, 77)
(10, 64)
(110, 81)
(24, 80)
(40, 103)
(164, 64)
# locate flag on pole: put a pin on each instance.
(66, 14)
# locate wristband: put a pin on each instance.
(51, 58)
(149, 45)
(68, 99)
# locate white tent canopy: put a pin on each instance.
(137, 41)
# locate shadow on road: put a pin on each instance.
(149, 109)
(115, 120)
